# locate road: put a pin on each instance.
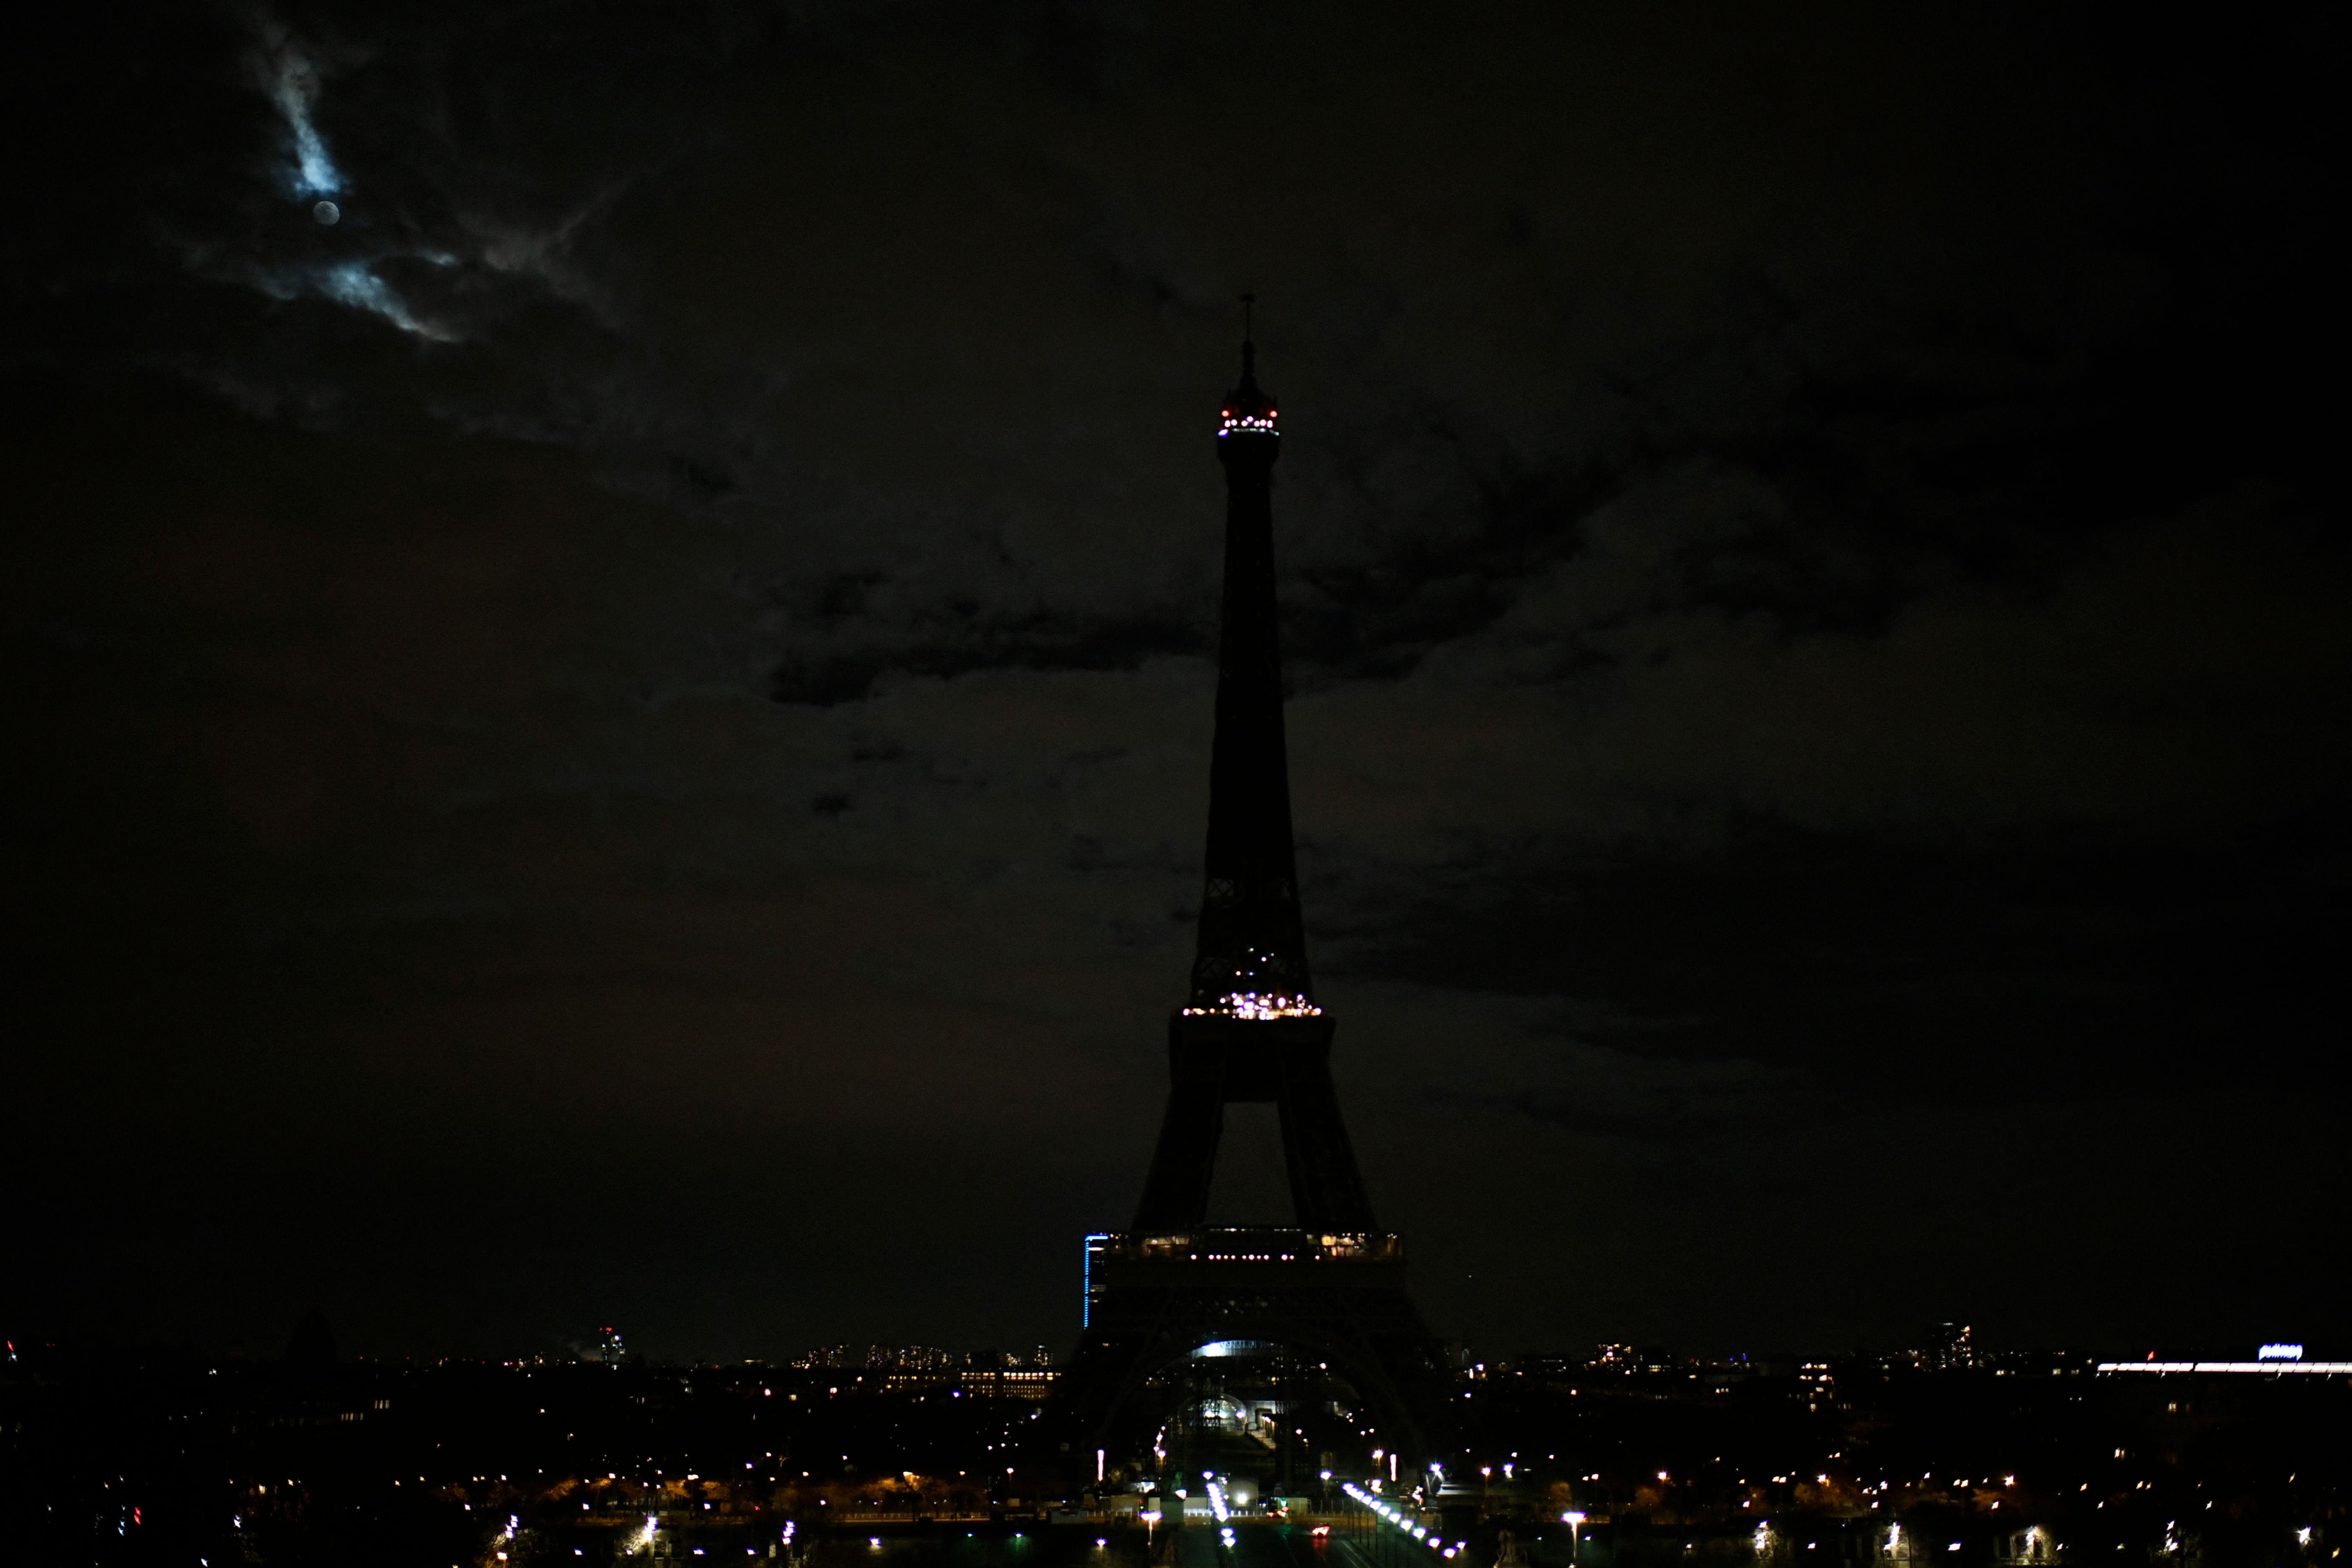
(1263, 1545)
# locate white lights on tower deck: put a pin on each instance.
(1246, 422)
(1258, 1004)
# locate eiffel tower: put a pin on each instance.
(1332, 1283)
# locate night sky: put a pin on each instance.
(621, 734)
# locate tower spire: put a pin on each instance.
(1252, 959)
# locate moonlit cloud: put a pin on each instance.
(292, 85)
(294, 89)
(351, 283)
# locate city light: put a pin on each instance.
(1397, 1517)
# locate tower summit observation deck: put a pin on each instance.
(1331, 1284)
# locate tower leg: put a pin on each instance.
(1176, 1193)
(1325, 1189)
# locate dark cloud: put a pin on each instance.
(964, 639)
(652, 678)
(2002, 973)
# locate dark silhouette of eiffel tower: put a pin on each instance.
(1332, 1283)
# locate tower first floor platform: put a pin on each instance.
(1336, 1301)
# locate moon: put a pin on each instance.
(327, 213)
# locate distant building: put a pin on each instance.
(903, 1368)
(893, 1358)
(1951, 1347)
(601, 1348)
(2270, 1361)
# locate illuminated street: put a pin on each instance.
(1263, 1545)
